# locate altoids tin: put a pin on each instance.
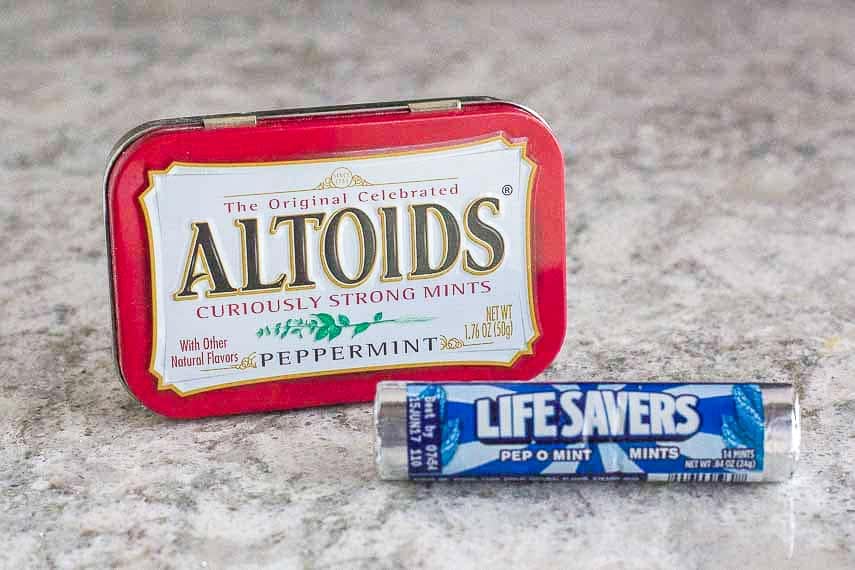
(286, 259)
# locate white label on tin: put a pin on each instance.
(270, 271)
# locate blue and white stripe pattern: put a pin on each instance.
(729, 437)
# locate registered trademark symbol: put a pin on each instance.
(507, 189)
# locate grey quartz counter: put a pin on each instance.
(710, 153)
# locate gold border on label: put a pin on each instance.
(161, 385)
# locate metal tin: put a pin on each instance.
(743, 433)
(282, 259)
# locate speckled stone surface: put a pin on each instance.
(711, 235)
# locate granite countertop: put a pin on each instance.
(711, 235)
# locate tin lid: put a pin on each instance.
(253, 118)
(296, 138)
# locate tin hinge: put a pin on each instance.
(229, 121)
(438, 105)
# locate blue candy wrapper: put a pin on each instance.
(641, 431)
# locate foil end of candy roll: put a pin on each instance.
(390, 422)
(783, 432)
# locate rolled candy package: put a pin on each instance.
(709, 432)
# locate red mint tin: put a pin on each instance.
(286, 259)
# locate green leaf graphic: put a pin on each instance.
(326, 326)
(334, 332)
(326, 319)
(360, 328)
